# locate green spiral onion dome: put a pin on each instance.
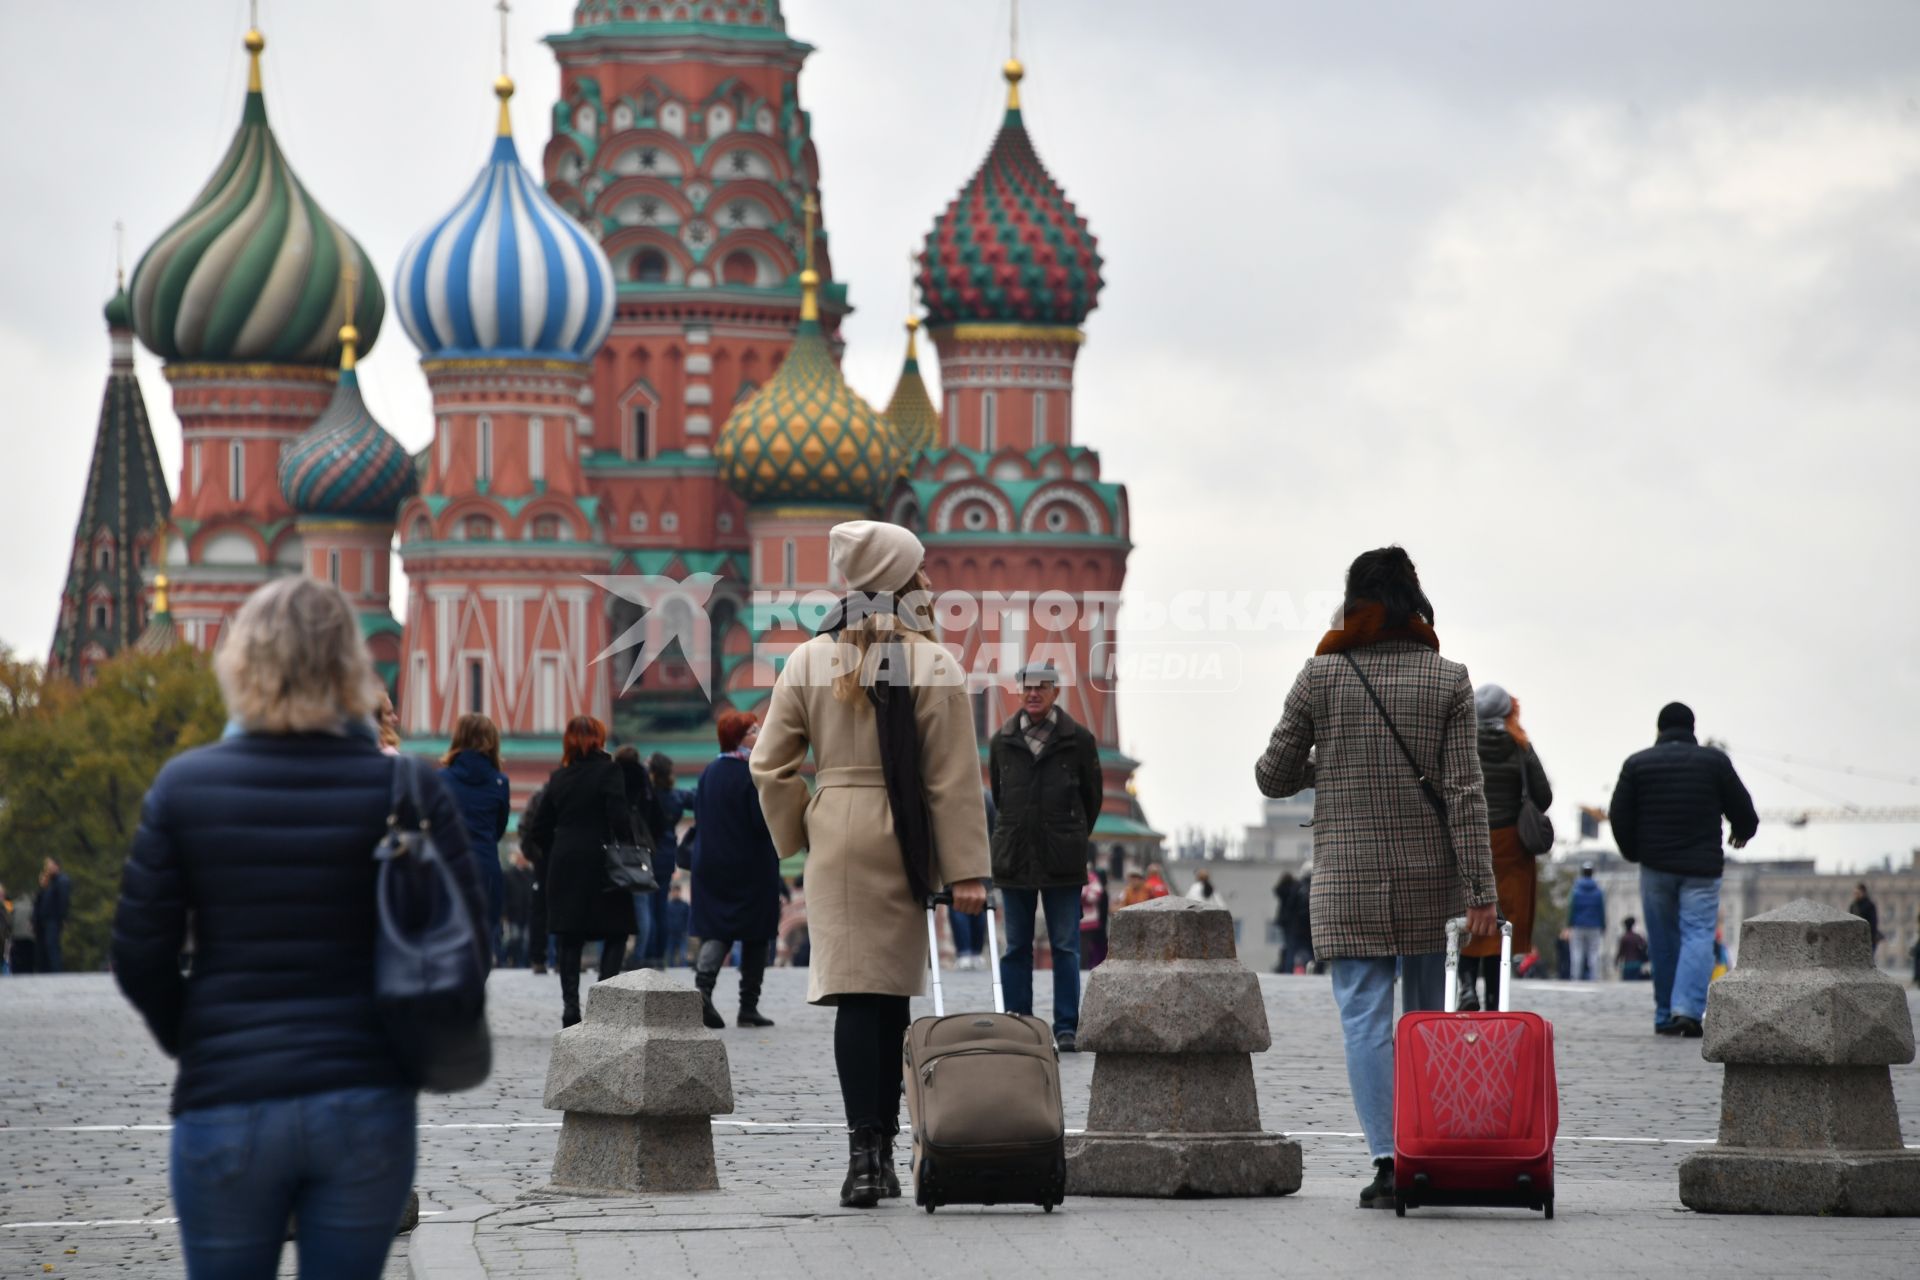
(253, 270)
(1011, 249)
(346, 465)
(119, 310)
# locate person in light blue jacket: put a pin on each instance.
(1587, 918)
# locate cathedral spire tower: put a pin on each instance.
(1010, 501)
(241, 297)
(122, 519)
(509, 300)
(344, 478)
(805, 452)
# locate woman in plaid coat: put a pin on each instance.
(1388, 870)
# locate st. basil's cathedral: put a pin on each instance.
(634, 371)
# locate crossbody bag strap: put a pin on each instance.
(1427, 788)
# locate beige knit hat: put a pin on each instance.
(875, 556)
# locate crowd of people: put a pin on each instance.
(31, 925)
(1429, 806)
(291, 1105)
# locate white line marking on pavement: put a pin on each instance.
(780, 1125)
(93, 1222)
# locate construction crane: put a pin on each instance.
(1801, 817)
(1787, 769)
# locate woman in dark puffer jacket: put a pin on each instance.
(289, 1102)
(1505, 751)
(473, 778)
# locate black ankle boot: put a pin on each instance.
(889, 1178)
(863, 1187)
(709, 1014)
(750, 1016)
(1379, 1193)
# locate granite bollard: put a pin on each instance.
(1807, 1028)
(1175, 1018)
(639, 1080)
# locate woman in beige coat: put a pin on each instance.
(890, 758)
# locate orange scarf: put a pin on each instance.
(1366, 625)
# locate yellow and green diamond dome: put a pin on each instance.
(806, 436)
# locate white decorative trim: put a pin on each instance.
(945, 505)
(1055, 494)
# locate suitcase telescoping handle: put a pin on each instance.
(945, 898)
(1458, 926)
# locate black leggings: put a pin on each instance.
(571, 945)
(1474, 970)
(868, 1035)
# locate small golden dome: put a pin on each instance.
(255, 42)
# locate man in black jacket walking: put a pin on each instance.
(1666, 814)
(1046, 784)
(1863, 906)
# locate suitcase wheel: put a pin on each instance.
(1399, 1209)
(929, 1208)
(1549, 1208)
(1047, 1207)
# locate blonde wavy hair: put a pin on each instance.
(854, 665)
(292, 660)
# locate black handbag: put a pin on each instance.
(1534, 828)
(429, 960)
(630, 867)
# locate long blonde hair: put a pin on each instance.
(854, 666)
(292, 660)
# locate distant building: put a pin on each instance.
(1749, 888)
(1285, 837)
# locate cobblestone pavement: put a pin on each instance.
(83, 1110)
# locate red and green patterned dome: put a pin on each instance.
(1011, 249)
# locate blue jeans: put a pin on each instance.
(1681, 913)
(969, 934)
(342, 1161)
(655, 946)
(1363, 988)
(1063, 935)
(642, 929)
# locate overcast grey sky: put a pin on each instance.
(1606, 310)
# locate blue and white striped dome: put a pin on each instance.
(507, 273)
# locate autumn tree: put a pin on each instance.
(74, 763)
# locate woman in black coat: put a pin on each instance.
(649, 827)
(584, 809)
(736, 874)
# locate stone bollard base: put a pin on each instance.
(625, 1155)
(1864, 1184)
(1182, 1164)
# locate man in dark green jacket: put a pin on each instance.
(1045, 775)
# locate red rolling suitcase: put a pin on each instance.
(1475, 1102)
